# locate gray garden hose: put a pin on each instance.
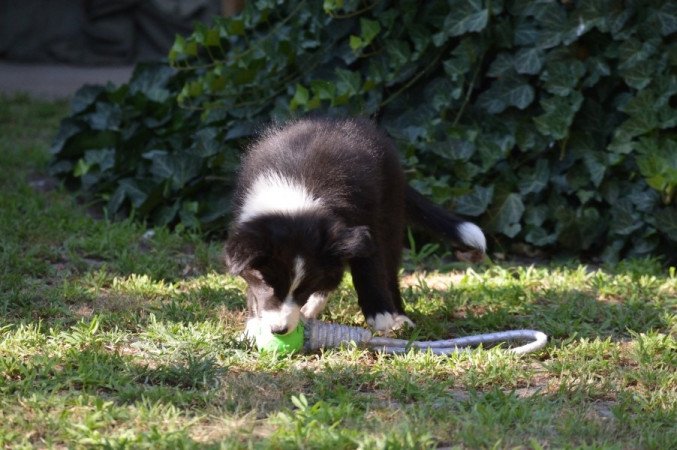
(322, 335)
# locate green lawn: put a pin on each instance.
(117, 337)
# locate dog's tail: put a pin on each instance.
(466, 236)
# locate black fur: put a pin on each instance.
(353, 169)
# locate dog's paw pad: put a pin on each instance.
(389, 322)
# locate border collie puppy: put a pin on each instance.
(315, 196)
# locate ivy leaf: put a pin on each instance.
(555, 26)
(512, 90)
(509, 214)
(301, 97)
(657, 162)
(561, 77)
(633, 51)
(348, 83)
(559, 114)
(188, 215)
(131, 189)
(454, 149)
(103, 158)
(642, 116)
(179, 168)
(639, 76)
(152, 81)
(666, 221)
(107, 116)
(529, 61)
(504, 63)
(369, 30)
(165, 214)
(625, 219)
(526, 32)
(539, 236)
(68, 128)
(206, 142)
(644, 199)
(84, 97)
(466, 16)
(583, 146)
(595, 166)
(398, 52)
(667, 17)
(356, 43)
(534, 180)
(536, 214)
(441, 93)
(325, 90)
(578, 229)
(476, 202)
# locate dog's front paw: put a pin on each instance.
(386, 322)
(314, 306)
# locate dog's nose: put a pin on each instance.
(279, 329)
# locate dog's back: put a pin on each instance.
(348, 163)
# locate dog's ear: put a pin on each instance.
(235, 257)
(351, 242)
(240, 250)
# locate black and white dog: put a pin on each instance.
(317, 195)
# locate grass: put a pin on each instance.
(113, 336)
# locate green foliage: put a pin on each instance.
(551, 123)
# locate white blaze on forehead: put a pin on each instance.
(275, 193)
(297, 276)
(289, 313)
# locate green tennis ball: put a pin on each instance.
(282, 344)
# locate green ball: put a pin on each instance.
(282, 344)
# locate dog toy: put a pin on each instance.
(314, 335)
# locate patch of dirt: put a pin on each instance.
(218, 429)
(109, 303)
(602, 409)
(262, 392)
(42, 183)
(436, 281)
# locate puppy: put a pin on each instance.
(315, 196)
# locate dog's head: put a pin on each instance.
(286, 258)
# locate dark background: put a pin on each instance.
(99, 32)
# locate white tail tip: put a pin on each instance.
(472, 236)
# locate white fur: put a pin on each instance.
(286, 317)
(289, 313)
(275, 193)
(252, 328)
(388, 321)
(472, 236)
(299, 273)
(314, 306)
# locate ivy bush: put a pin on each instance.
(551, 123)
